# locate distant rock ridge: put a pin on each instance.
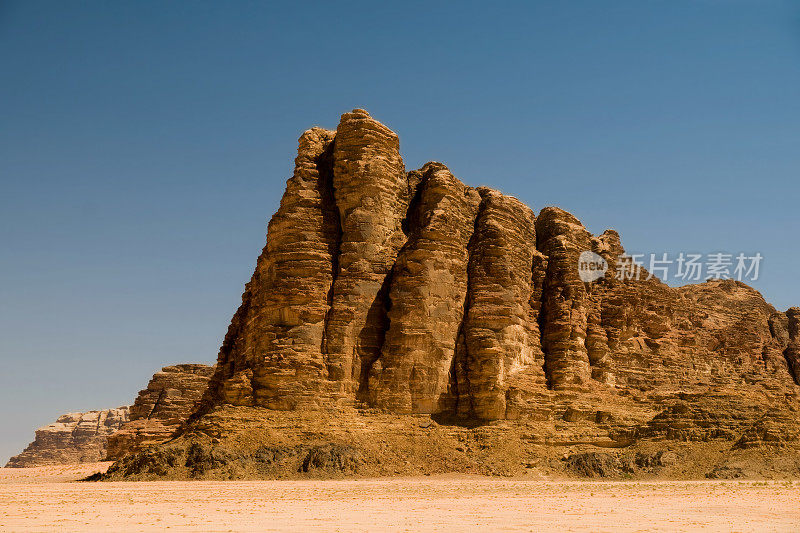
(171, 396)
(73, 438)
(414, 293)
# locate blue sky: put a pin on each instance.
(144, 145)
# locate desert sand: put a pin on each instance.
(41, 499)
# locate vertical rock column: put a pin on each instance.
(793, 349)
(561, 237)
(602, 310)
(271, 355)
(372, 196)
(429, 282)
(499, 338)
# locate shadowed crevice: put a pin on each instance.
(330, 218)
(462, 395)
(542, 321)
(378, 319)
(792, 364)
(379, 310)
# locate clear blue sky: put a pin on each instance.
(144, 145)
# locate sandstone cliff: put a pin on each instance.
(73, 438)
(406, 322)
(171, 396)
(415, 293)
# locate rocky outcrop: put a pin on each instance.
(172, 395)
(271, 354)
(792, 352)
(565, 300)
(427, 295)
(408, 318)
(73, 438)
(499, 347)
(414, 293)
(372, 194)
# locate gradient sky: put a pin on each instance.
(144, 145)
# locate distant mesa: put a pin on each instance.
(73, 438)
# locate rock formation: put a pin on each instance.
(427, 294)
(792, 352)
(404, 322)
(415, 293)
(73, 438)
(171, 396)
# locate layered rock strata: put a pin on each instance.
(73, 438)
(499, 346)
(792, 352)
(171, 396)
(272, 353)
(372, 195)
(427, 295)
(414, 293)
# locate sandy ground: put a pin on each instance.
(49, 474)
(41, 499)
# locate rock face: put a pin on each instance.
(792, 352)
(499, 346)
(426, 291)
(73, 438)
(170, 398)
(414, 293)
(405, 323)
(372, 195)
(272, 353)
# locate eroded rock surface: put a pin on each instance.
(792, 352)
(404, 322)
(271, 354)
(427, 295)
(414, 293)
(73, 438)
(499, 347)
(372, 194)
(171, 396)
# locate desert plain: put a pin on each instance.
(51, 498)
